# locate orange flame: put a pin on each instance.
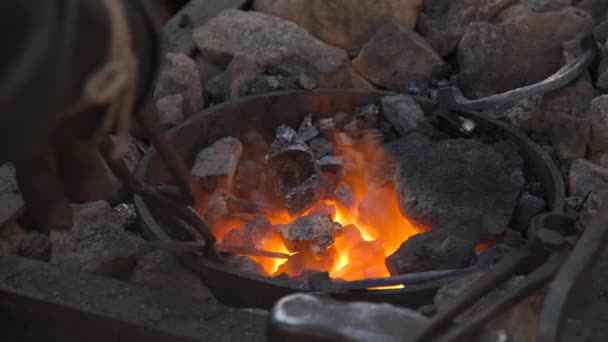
(374, 227)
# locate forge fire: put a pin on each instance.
(333, 195)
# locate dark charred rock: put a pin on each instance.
(301, 263)
(596, 8)
(217, 209)
(296, 177)
(36, 246)
(321, 147)
(522, 48)
(435, 250)
(395, 57)
(317, 231)
(546, 5)
(460, 181)
(307, 131)
(385, 164)
(528, 206)
(353, 128)
(255, 233)
(343, 140)
(127, 215)
(217, 164)
(594, 202)
(585, 177)
(243, 264)
(10, 238)
(404, 113)
(369, 114)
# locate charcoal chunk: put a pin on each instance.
(321, 147)
(36, 246)
(307, 130)
(528, 206)
(370, 114)
(217, 163)
(296, 178)
(344, 195)
(317, 230)
(250, 176)
(435, 250)
(243, 264)
(341, 119)
(254, 233)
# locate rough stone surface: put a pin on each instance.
(460, 181)
(585, 177)
(520, 321)
(597, 8)
(317, 230)
(160, 270)
(598, 146)
(563, 115)
(442, 23)
(274, 46)
(255, 233)
(218, 162)
(546, 5)
(385, 163)
(395, 57)
(97, 243)
(435, 250)
(524, 48)
(35, 246)
(179, 75)
(404, 113)
(170, 110)
(593, 203)
(339, 22)
(243, 264)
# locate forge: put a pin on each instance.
(345, 205)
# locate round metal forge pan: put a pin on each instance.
(264, 113)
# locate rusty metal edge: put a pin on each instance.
(151, 230)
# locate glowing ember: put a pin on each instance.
(373, 226)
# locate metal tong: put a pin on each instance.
(484, 259)
(451, 98)
(548, 246)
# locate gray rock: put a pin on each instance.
(460, 181)
(170, 111)
(563, 115)
(341, 119)
(395, 56)
(127, 214)
(179, 75)
(316, 231)
(523, 48)
(598, 146)
(344, 195)
(597, 8)
(272, 42)
(161, 270)
(97, 243)
(11, 201)
(601, 31)
(217, 163)
(321, 147)
(385, 163)
(443, 23)
(585, 177)
(338, 22)
(594, 202)
(36, 246)
(404, 113)
(307, 130)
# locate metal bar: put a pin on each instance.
(485, 258)
(584, 254)
(451, 98)
(501, 272)
(173, 162)
(199, 246)
(532, 282)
